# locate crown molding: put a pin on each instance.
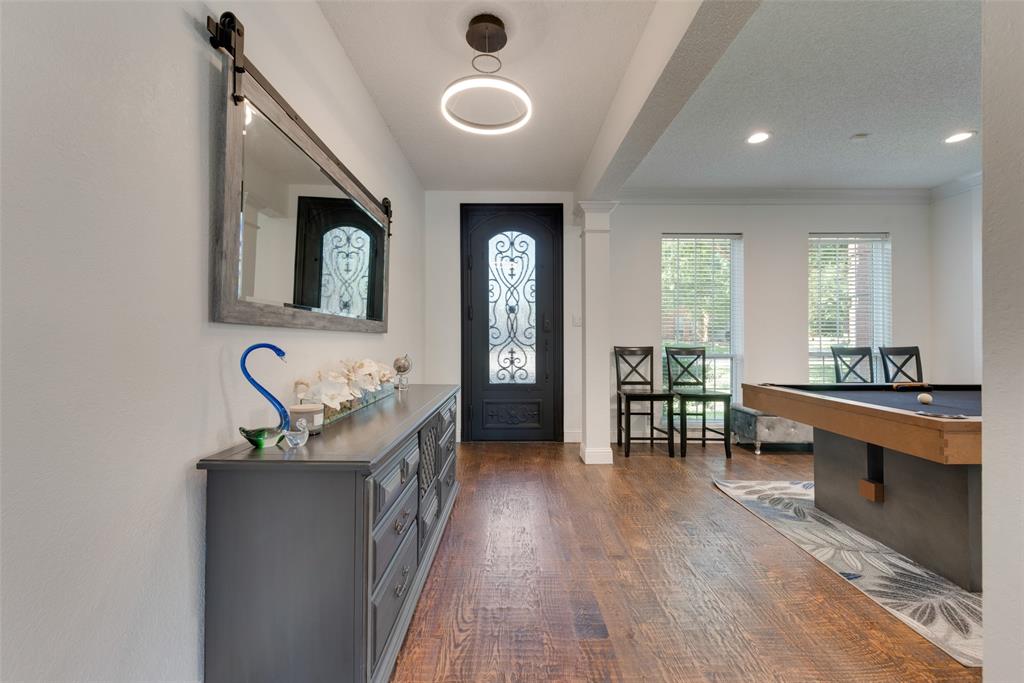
(598, 211)
(964, 183)
(598, 206)
(775, 196)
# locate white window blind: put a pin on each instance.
(702, 301)
(849, 297)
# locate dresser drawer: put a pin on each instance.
(429, 508)
(387, 601)
(399, 522)
(448, 415)
(447, 446)
(447, 480)
(393, 481)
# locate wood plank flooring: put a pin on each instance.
(551, 570)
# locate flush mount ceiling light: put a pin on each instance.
(757, 137)
(486, 35)
(961, 136)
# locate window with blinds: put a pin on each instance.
(849, 297)
(701, 302)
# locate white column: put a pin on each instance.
(1002, 513)
(595, 448)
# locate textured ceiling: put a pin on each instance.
(570, 57)
(815, 73)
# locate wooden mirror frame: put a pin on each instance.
(244, 82)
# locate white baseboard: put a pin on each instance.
(572, 436)
(596, 456)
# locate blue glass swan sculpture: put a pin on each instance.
(262, 437)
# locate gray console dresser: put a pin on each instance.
(315, 559)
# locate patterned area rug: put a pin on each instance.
(941, 611)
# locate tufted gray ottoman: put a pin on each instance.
(753, 426)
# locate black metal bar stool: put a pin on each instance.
(634, 382)
(686, 367)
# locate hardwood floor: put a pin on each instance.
(643, 571)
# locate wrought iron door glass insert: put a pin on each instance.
(346, 273)
(512, 331)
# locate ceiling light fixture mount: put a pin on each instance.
(961, 136)
(486, 35)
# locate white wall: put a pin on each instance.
(442, 289)
(956, 288)
(114, 382)
(775, 273)
(1002, 57)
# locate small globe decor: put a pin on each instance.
(402, 367)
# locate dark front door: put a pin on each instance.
(512, 322)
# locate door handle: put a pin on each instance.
(547, 324)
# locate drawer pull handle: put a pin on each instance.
(400, 523)
(404, 468)
(400, 588)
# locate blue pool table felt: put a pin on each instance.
(945, 402)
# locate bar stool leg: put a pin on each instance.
(650, 420)
(728, 428)
(618, 419)
(682, 429)
(670, 430)
(704, 424)
(629, 424)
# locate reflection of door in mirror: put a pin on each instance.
(335, 256)
(305, 243)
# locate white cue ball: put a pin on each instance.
(924, 398)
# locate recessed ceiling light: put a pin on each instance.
(758, 137)
(960, 137)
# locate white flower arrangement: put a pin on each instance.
(343, 382)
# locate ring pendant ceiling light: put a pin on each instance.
(486, 35)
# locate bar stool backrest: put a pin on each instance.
(687, 367)
(853, 364)
(896, 362)
(634, 366)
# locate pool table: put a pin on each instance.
(905, 473)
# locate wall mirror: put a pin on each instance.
(302, 242)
